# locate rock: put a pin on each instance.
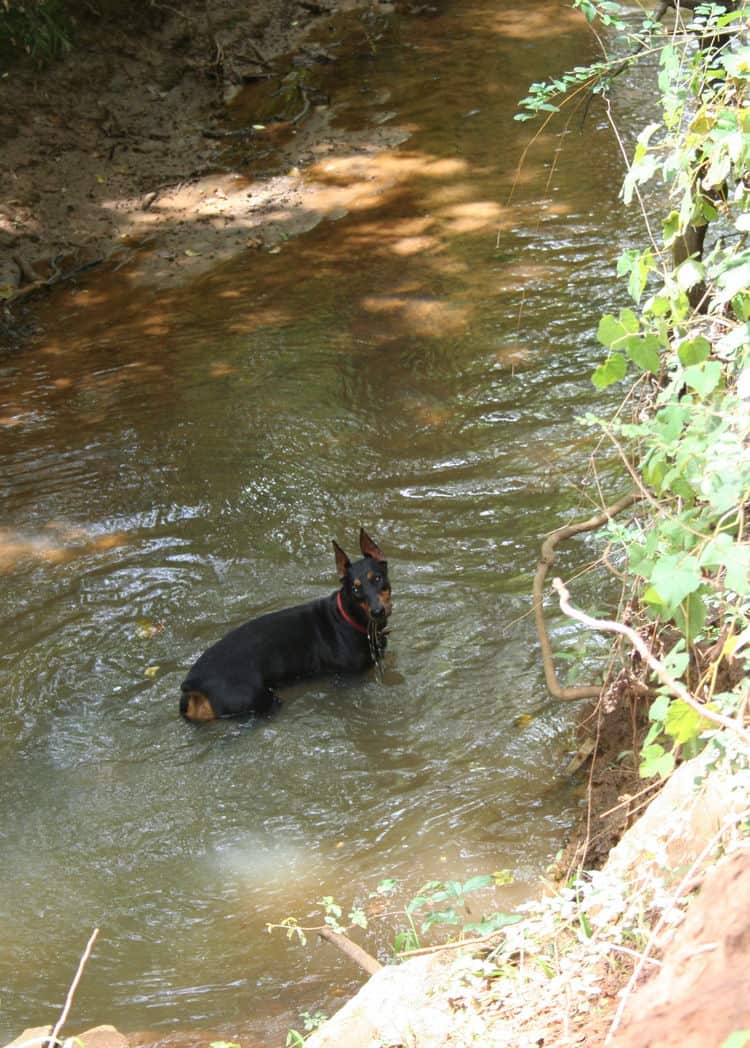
(34, 1037)
(96, 1037)
(407, 1004)
(103, 1037)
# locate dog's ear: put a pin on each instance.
(369, 548)
(342, 561)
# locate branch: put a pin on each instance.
(71, 992)
(546, 560)
(675, 686)
(483, 940)
(351, 949)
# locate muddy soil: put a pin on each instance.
(141, 140)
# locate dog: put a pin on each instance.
(342, 633)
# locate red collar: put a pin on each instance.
(348, 618)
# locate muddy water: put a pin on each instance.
(174, 462)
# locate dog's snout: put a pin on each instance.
(384, 607)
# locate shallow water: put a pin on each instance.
(173, 462)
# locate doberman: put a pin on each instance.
(342, 633)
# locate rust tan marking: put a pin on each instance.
(370, 576)
(198, 707)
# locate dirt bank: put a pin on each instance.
(652, 951)
(175, 137)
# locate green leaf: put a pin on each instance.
(609, 330)
(676, 660)
(612, 370)
(658, 306)
(723, 551)
(675, 576)
(405, 940)
(652, 597)
(417, 903)
(644, 352)
(653, 471)
(358, 916)
(439, 917)
(734, 280)
(585, 924)
(671, 228)
(689, 273)
(691, 616)
(703, 378)
(694, 351)
(655, 761)
(493, 923)
(683, 723)
(670, 420)
(659, 708)
(481, 881)
(629, 321)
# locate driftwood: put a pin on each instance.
(546, 560)
(351, 949)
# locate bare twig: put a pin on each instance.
(546, 560)
(675, 686)
(483, 940)
(71, 992)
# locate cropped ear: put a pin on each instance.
(368, 547)
(342, 561)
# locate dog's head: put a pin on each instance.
(365, 582)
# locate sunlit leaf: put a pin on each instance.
(703, 378)
(675, 576)
(694, 351)
(612, 370)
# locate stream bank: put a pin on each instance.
(651, 951)
(120, 149)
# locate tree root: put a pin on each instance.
(675, 686)
(546, 561)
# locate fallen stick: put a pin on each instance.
(71, 992)
(351, 949)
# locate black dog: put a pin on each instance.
(343, 633)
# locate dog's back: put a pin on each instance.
(335, 634)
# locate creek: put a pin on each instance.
(173, 462)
